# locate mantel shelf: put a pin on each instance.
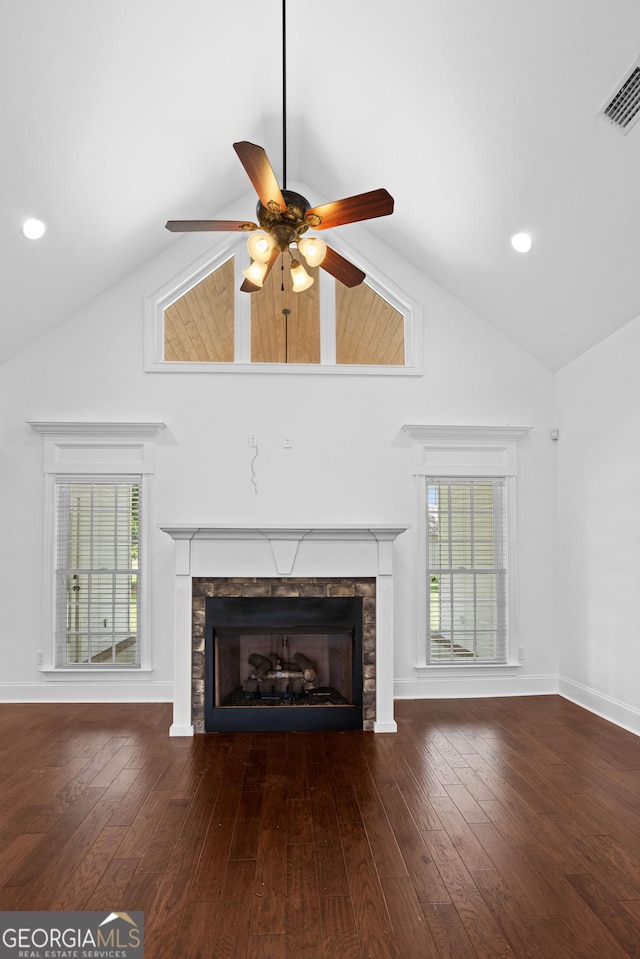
(380, 533)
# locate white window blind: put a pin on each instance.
(467, 611)
(97, 572)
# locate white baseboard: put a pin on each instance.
(469, 687)
(622, 714)
(463, 687)
(61, 692)
(628, 717)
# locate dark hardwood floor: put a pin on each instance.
(484, 828)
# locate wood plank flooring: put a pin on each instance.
(483, 829)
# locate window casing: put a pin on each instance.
(467, 615)
(334, 348)
(97, 572)
(108, 467)
(488, 456)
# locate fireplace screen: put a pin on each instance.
(284, 663)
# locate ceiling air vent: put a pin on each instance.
(622, 108)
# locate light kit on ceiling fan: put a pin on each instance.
(284, 216)
(260, 247)
(256, 273)
(313, 249)
(300, 279)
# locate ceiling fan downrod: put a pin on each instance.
(284, 94)
(285, 216)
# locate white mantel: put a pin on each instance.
(338, 550)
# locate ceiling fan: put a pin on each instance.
(284, 217)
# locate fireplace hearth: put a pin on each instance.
(283, 663)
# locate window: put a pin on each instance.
(466, 549)
(97, 581)
(98, 482)
(199, 323)
(285, 326)
(369, 330)
(466, 570)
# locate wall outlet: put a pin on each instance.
(287, 441)
(39, 658)
(252, 440)
(521, 654)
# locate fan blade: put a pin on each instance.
(364, 206)
(249, 287)
(344, 271)
(193, 226)
(260, 172)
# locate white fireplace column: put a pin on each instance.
(336, 551)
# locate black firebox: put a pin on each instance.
(283, 663)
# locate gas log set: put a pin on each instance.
(273, 681)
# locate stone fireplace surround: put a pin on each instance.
(356, 559)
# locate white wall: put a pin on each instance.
(598, 553)
(344, 464)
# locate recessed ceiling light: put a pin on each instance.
(33, 229)
(521, 242)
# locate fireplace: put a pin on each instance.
(283, 663)
(319, 561)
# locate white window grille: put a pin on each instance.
(467, 604)
(97, 572)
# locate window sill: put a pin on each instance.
(482, 669)
(342, 369)
(89, 674)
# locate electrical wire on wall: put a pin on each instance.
(252, 467)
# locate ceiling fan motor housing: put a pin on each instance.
(285, 226)
(285, 216)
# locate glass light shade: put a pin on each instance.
(260, 246)
(313, 250)
(300, 279)
(256, 272)
(33, 229)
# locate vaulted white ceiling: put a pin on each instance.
(479, 116)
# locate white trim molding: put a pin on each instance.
(98, 448)
(481, 685)
(464, 450)
(87, 450)
(440, 450)
(622, 714)
(101, 692)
